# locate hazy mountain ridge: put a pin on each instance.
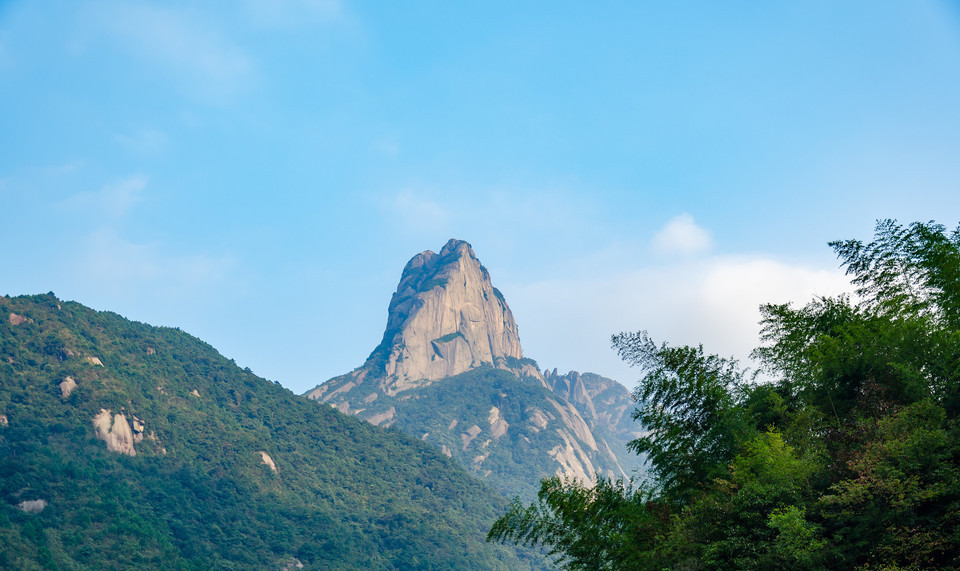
(123, 445)
(450, 333)
(602, 402)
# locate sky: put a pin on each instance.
(258, 172)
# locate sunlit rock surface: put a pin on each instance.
(446, 325)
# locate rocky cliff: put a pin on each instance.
(450, 370)
(444, 319)
(602, 402)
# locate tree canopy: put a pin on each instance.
(846, 457)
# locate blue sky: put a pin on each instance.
(258, 173)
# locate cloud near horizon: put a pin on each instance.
(713, 301)
(682, 236)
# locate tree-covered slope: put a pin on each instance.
(147, 448)
(510, 431)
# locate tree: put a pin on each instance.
(686, 403)
(848, 458)
(907, 271)
(608, 526)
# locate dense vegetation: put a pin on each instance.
(847, 456)
(457, 415)
(197, 494)
(467, 399)
(512, 463)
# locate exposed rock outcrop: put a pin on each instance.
(384, 419)
(67, 386)
(266, 459)
(498, 425)
(469, 434)
(290, 563)
(32, 506)
(445, 318)
(115, 431)
(574, 462)
(19, 319)
(599, 399)
(137, 427)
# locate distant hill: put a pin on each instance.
(125, 446)
(450, 370)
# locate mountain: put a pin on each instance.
(445, 318)
(124, 445)
(450, 370)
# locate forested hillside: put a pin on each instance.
(523, 434)
(129, 446)
(849, 458)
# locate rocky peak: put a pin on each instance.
(446, 325)
(444, 319)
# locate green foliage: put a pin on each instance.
(448, 337)
(516, 364)
(686, 403)
(602, 527)
(798, 543)
(443, 411)
(848, 458)
(907, 271)
(197, 494)
(433, 283)
(901, 505)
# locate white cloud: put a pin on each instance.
(732, 290)
(178, 42)
(681, 235)
(114, 200)
(567, 322)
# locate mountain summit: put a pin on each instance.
(444, 319)
(450, 371)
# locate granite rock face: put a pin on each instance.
(115, 431)
(444, 319)
(450, 370)
(601, 401)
